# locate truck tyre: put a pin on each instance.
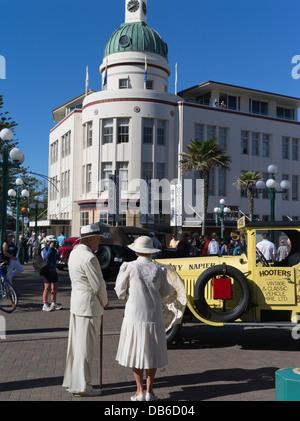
(222, 316)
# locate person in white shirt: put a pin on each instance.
(267, 248)
(213, 247)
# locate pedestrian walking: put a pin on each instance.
(10, 251)
(88, 299)
(142, 343)
(51, 255)
(267, 248)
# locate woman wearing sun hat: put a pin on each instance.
(142, 344)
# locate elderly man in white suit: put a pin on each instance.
(88, 299)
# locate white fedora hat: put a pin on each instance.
(90, 231)
(143, 245)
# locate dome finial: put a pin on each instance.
(135, 11)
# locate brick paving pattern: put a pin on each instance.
(208, 364)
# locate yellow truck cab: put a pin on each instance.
(245, 289)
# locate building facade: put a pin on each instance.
(135, 129)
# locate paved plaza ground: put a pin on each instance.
(209, 364)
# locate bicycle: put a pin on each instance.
(8, 296)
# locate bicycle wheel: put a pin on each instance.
(8, 297)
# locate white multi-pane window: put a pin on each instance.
(66, 144)
(123, 130)
(106, 172)
(148, 130)
(199, 130)
(147, 170)
(295, 143)
(89, 178)
(255, 144)
(285, 147)
(161, 132)
(160, 170)
(223, 137)
(108, 130)
(123, 83)
(265, 145)
(244, 142)
(122, 168)
(295, 187)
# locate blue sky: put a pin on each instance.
(47, 45)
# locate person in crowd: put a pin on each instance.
(156, 244)
(60, 239)
(23, 248)
(43, 240)
(33, 244)
(51, 255)
(196, 244)
(226, 249)
(267, 248)
(282, 251)
(213, 247)
(184, 246)
(142, 345)
(10, 251)
(204, 245)
(88, 300)
(173, 242)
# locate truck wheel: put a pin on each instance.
(104, 256)
(174, 333)
(234, 308)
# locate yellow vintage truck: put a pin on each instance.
(244, 289)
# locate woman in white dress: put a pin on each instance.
(142, 343)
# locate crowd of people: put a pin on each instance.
(141, 284)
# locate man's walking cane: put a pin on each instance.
(101, 350)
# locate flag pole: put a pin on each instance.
(86, 80)
(176, 79)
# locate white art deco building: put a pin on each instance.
(136, 129)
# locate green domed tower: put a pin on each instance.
(135, 56)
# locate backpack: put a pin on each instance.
(182, 249)
(40, 265)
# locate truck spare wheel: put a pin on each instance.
(222, 294)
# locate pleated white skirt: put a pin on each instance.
(142, 345)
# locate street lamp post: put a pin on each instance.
(17, 195)
(220, 214)
(36, 206)
(272, 188)
(17, 156)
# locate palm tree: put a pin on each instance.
(247, 181)
(202, 156)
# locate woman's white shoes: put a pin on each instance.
(150, 397)
(141, 397)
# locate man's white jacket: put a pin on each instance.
(89, 295)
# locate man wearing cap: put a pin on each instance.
(88, 299)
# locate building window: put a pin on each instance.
(223, 137)
(147, 170)
(88, 178)
(211, 131)
(211, 190)
(199, 129)
(84, 218)
(65, 184)
(123, 83)
(285, 195)
(108, 131)
(222, 183)
(265, 145)
(89, 134)
(244, 142)
(295, 149)
(231, 102)
(255, 144)
(286, 113)
(204, 99)
(161, 131)
(148, 131)
(66, 144)
(122, 168)
(123, 130)
(258, 107)
(54, 152)
(160, 171)
(295, 187)
(106, 172)
(285, 147)
(149, 84)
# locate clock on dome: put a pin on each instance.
(136, 11)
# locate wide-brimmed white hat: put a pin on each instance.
(90, 231)
(143, 245)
